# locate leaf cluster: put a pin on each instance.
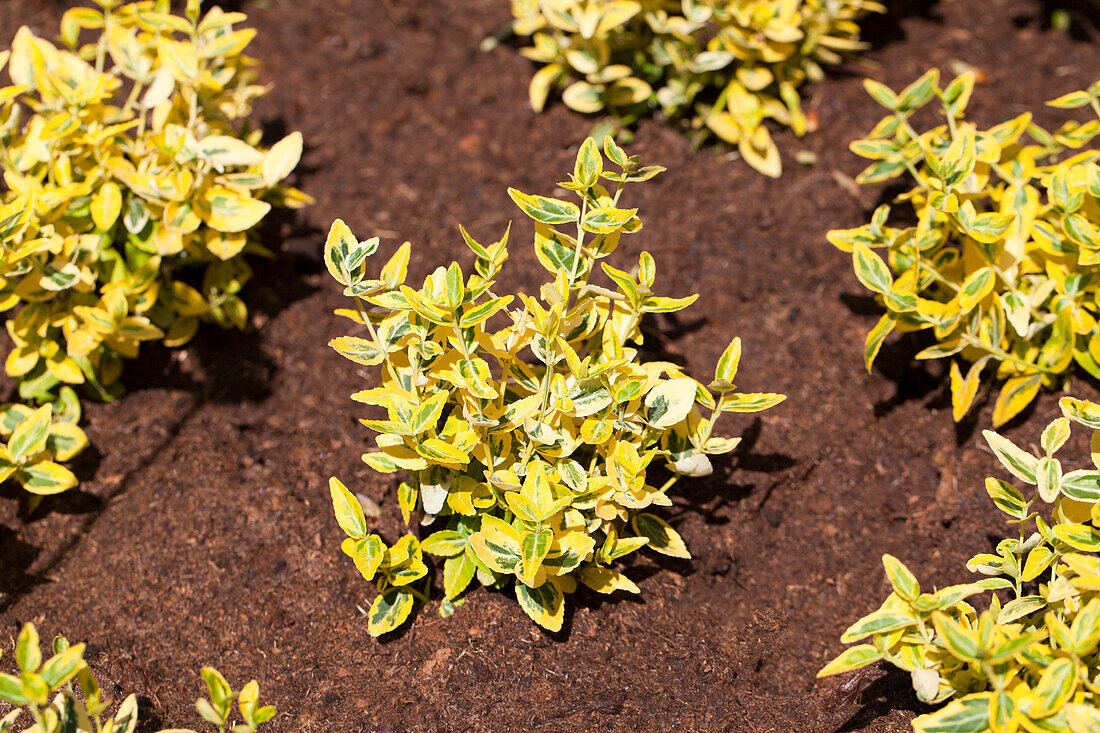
(1001, 264)
(131, 166)
(527, 425)
(1031, 660)
(39, 441)
(725, 67)
(62, 695)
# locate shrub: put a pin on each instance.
(724, 67)
(1001, 263)
(135, 166)
(132, 189)
(1025, 663)
(47, 692)
(527, 443)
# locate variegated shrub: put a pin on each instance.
(133, 157)
(722, 67)
(1001, 265)
(132, 183)
(527, 425)
(62, 695)
(1030, 660)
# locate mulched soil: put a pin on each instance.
(202, 531)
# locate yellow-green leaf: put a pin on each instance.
(875, 339)
(231, 211)
(545, 210)
(606, 580)
(963, 391)
(851, 659)
(358, 350)
(1081, 411)
(871, 270)
(45, 478)
(751, 402)
(437, 450)
(904, 582)
(1056, 686)
(31, 434)
(106, 205)
(349, 513)
(458, 571)
(545, 604)
(533, 547)
(662, 537)
(968, 715)
(727, 364)
(670, 402)
(389, 611)
(976, 286)
(1016, 394)
(1078, 536)
(1019, 462)
(282, 158)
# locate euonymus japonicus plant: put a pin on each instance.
(1001, 264)
(61, 695)
(527, 424)
(722, 67)
(132, 183)
(1030, 659)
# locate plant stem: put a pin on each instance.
(378, 345)
(974, 341)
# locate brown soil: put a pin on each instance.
(202, 532)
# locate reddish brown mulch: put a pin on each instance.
(202, 533)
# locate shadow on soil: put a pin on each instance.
(15, 576)
(660, 332)
(919, 380)
(878, 694)
(230, 365)
(703, 496)
(913, 380)
(882, 29)
(708, 496)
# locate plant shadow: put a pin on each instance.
(710, 495)
(659, 332)
(883, 29)
(16, 577)
(230, 365)
(889, 692)
(913, 379)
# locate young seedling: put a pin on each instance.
(62, 695)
